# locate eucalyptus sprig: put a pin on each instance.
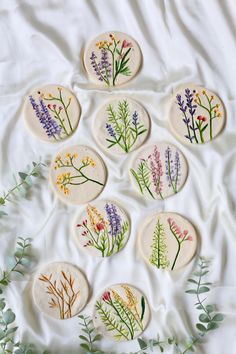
(90, 337)
(22, 184)
(18, 262)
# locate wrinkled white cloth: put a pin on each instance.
(182, 41)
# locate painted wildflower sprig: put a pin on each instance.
(198, 125)
(122, 316)
(79, 175)
(180, 237)
(22, 184)
(106, 234)
(159, 248)
(114, 60)
(123, 126)
(150, 173)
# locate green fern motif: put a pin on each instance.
(142, 177)
(123, 127)
(120, 237)
(159, 247)
(111, 323)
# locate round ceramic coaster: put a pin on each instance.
(197, 115)
(122, 124)
(112, 58)
(121, 312)
(78, 174)
(102, 229)
(52, 112)
(60, 290)
(159, 171)
(167, 241)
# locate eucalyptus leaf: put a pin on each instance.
(8, 316)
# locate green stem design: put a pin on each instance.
(179, 242)
(210, 110)
(159, 248)
(173, 184)
(142, 176)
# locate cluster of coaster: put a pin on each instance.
(78, 175)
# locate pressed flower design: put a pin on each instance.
(63, 293)
(199, 127)
(123, 126)
(159, 247)
(78, 171)
(104, 230)
(156, 176)
(54, 113)
(123, 315)
(180, 237)
(113, 60)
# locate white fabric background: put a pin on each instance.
(182, 41)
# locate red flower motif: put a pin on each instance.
(49, 106)
(85, 222)
(54, 106)
(106, 296)
(202, 118)
(189, 238)
(100, 226)
(126, 44)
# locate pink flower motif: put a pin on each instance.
(126, 44)
(85, 222)
(100, 226)
(170, 221)
(106, 296)
(189, 238)
(60, 108)
(49, 106)
(54, 106)
(185, 232)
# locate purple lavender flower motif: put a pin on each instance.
(192, 110)
(49, 124)
(173, 169)
(186, 120)
(114, 219)
(103, 69)
(156, 171)
(135, 118)
(110, 130)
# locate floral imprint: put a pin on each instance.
(112, 58)
(102, 229)
(159, 171)
(78, 174)
(197, 115)
(123, 124)
(60, 290)
(52, 113)
(167, 241)
(121, 312)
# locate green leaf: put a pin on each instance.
(143, 307)
(201, 328)
(192, 281)
(8, 316)
(84, 346)
(141, 343)
(97, 337)
(191, 291)
(218, 317)
(84, 338)
(2, 201)
(11, 330)
(204, 318)
(212, 325)
(203, 289)
(210, 308)
(22, 175)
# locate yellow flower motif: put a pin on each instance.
(217, 105)
(197, 94)
(195, 100)
(68, 155)
(95, 217)
(75, 156)
(203, 92)
(219, 115)
(132, 299)
(50, 95)
(212, 97)
(87, 160)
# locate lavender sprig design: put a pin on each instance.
(173, 169)
(103, 69)
(156, 171)
(123, 126)
(50, 126)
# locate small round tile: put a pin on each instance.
(52, 113)
(167, 241)
(102, 229)
(112, 59)
(159, 171)
(121, 125)
(197, 115)
(121, 312)
(60, 290)
(78, 174)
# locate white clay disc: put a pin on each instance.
(78, 174)
(121, 125)
(52, 112)
(159, 171)
(167, 241)
(121, 312)
(112, 59)
(197, 115)
(102, 229)
(60, 290)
